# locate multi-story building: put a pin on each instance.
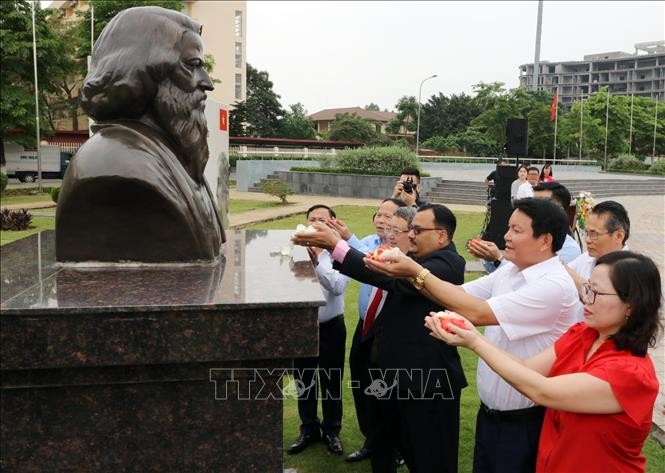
(224, 38)
(641, 74)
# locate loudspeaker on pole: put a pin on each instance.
(517, 137)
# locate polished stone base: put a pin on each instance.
(151, 369)
(149, 420)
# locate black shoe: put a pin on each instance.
(334, 444)
(358, 455)
(302, 442)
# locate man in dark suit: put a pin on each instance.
(416, 381)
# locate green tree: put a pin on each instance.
(65, 98)
(643, 116)
(443, 116)
(262, 110)
(17, 97)
(618, 121)
(498, 106)
(407, 112)
(238, 119)
(373, 107)
(295, 124)
(472, 142)
(541, 131)
(348, 127)
(592, 131)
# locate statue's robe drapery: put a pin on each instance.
(127, 197)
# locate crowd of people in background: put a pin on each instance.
(564, 379)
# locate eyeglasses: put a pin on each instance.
(593, 235)
(395, 231)
(590, 294)
(418, 230)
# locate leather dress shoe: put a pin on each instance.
(358, 455)
(334, 444)
(302, 442)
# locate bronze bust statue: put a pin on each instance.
(135, 191)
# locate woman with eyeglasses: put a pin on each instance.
(597, 381)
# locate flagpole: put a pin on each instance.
(556, 123)
(34, 61)
(607, 117)
(581, 122)
(630, 135)
(655, 123)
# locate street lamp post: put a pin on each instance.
(418, 120)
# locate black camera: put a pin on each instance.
(408, 186)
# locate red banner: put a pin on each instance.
(555, 101)
(223, 120)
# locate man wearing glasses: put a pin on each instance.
(417, 380)
(525, 305)
(357, 364)
(607, 229)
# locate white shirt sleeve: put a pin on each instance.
(481, 287)
(525, 191)
(331, 279)
(530, 310)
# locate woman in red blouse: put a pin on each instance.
(546, 174)
(597, 381)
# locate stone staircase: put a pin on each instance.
(256, 187)
(475, 193)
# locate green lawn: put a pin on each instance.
(25, 199)
(316, 459)
(37, 225)
(237, 206)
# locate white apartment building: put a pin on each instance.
(641, 74)
(224, 37)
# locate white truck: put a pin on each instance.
(22, 164)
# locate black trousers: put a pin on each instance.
(359, 363)
(425, 431)
(324, 372)
(507, 441)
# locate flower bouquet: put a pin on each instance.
(584, 206)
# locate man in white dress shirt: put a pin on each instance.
(332, 347)
(607, 229)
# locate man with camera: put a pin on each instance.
(407, 187)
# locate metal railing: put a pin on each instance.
(251, 152)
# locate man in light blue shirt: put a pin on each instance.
(381, 220)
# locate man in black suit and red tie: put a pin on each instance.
(417, 381)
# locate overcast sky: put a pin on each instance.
(345, 54)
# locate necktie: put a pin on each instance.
(371, 311)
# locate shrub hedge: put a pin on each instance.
(389, 160)
(658, 167)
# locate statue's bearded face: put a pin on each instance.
(179, 106)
